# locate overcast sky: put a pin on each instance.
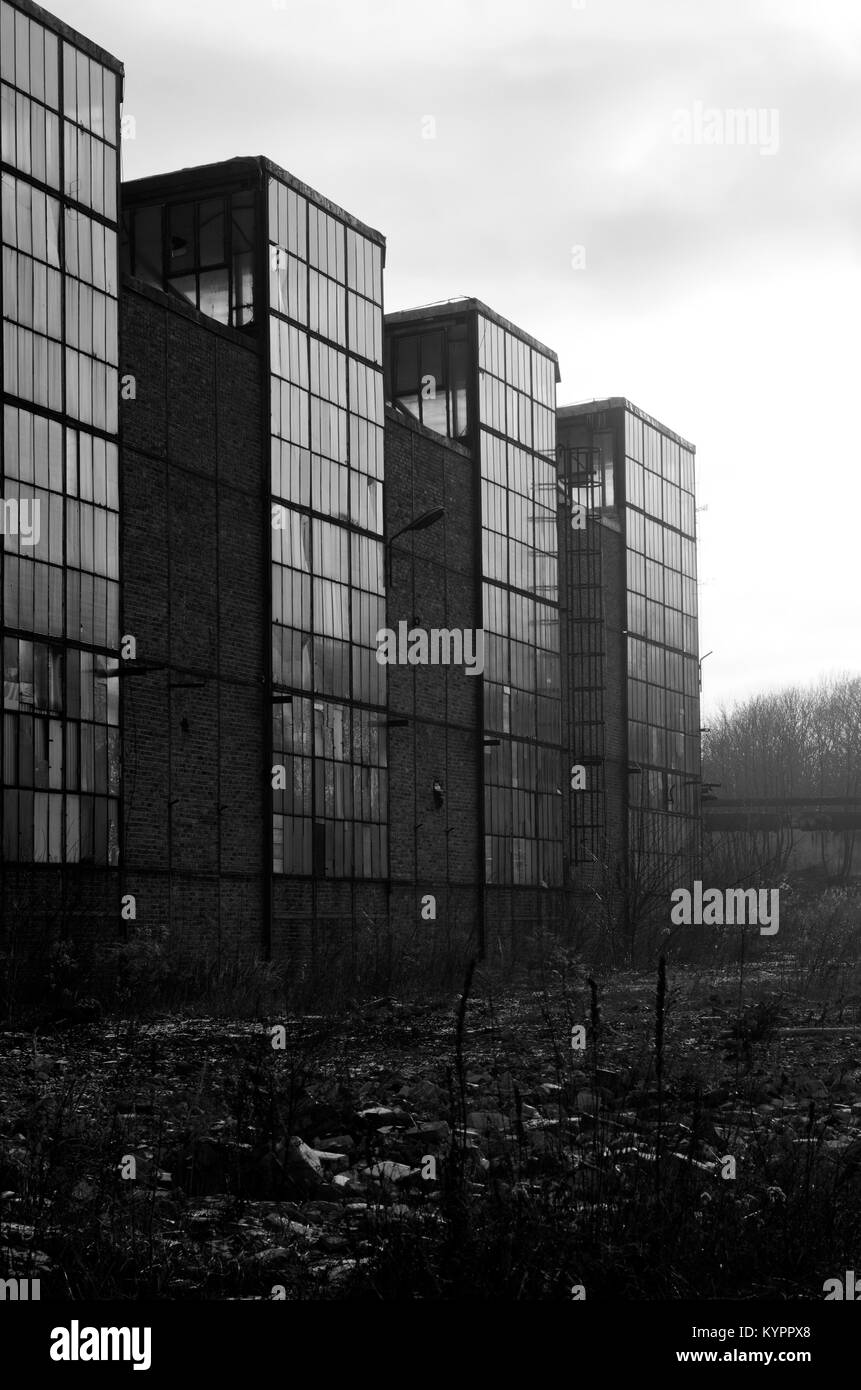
(711, 273)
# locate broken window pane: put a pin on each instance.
(215, 295)
(212, 234)
(243, 289)
(180, 238)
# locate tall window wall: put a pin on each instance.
(663, 672)
(60, 556)
(199, 249)
(524, 775)
(328, 593)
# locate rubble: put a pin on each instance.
(259, 1169)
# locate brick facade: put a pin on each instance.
(195, 590)
(436, 847)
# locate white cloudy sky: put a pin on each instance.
(721, 285)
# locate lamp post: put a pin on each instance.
(419, 523)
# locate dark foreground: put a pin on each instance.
(704, 1143)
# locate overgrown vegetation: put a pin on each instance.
(536, 1130)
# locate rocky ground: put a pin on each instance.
(423, 1151)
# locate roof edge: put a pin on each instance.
(243, 166)
(621, 403)
(64, 30)
(469, 304)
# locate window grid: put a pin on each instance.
(522, 676)
(663, 673)
(428, 376)
(60, 761)
(328, 597)
(201, 250)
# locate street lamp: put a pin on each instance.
(419, 523)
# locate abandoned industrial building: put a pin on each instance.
(243, 472)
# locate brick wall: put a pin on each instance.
(435, 846)
(41, 903)
(195, 578)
